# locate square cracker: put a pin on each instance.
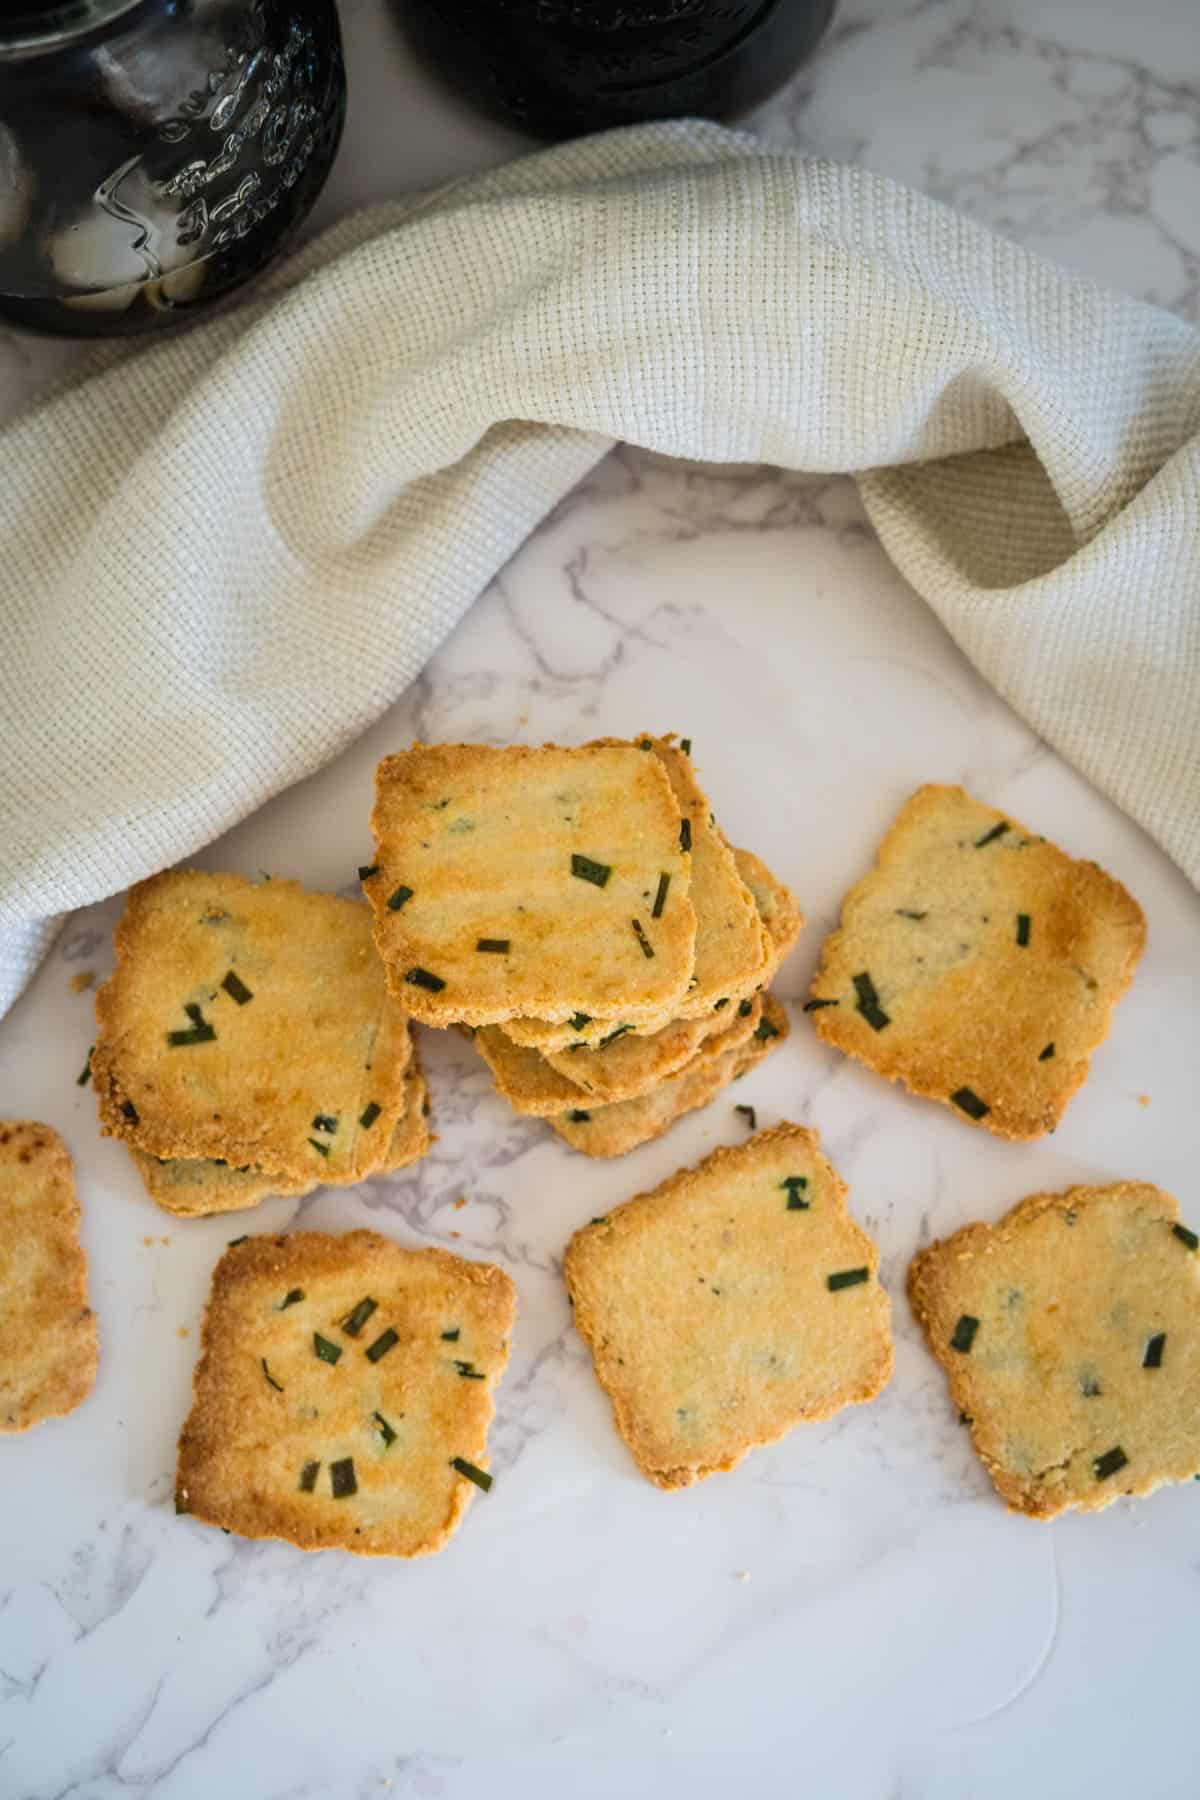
(48, 1351)
(1070, 1333)
(193, 1188)
(613, 1130)
(330, 1421)
(730, 1304)
(977, 964)
(317, 1038)
(557, 854)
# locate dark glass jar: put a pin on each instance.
(560, 68)
(156, 153)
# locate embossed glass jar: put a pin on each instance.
(156, 153)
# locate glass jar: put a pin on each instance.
(156, 153)
(559, 68)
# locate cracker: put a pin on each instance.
(777, 907)
(633, 1063)
(1070, 1333)
(977, 964)
(194, 1188)
(48, 1351)
(556, 856)
(241, 1021)
(612, 1130)
(339, 1379)
(729, 1305)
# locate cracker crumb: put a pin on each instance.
(1143, 1099)
(182, 1331)
(460, 1203)
(456, 1234)
(149, 1243)
(85, 979)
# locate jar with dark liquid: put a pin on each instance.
(559, 68)
(155, 153)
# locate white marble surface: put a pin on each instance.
(851, 1614)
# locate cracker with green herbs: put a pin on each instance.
(614, 1130)
(977, 964)
(730, 1304)
(530, 880)
(344, 1392)
(193, 1188)
(1070, 1334)
(250, 1023)
(48, 1352)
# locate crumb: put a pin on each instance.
(149, 1243)
(1143, 1099)
(460, 1203)
(84, 980)
(182, 1331)
(165, 1240)
(457, 1234)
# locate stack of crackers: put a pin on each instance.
(247, 1044)
(581, 913)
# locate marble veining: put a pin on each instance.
(852, 1613)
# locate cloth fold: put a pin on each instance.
(227, 552)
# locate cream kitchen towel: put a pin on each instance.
(223, 555)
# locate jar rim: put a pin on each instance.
(30, 26)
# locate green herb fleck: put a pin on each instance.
(385, 1342)
(292, 1298)
(718, 1004)
(234, 1242)
(308, 1477)
(795, 1186)
(82, 1079)
(685, 834)
(664, 882)
(129, 1111)
(816, 1005)
(199, 1032)
(423, 979)
(369, 1114)
(748, 1113)
(319, 1147)
(1046, 1054)
(906, 912)
(745, 1007)
(1109, 1463)
(989, 837)
(397, 898)
(493, 946)
(1023, 924)
(613, 1036)
(325, 1350)
(1186, 1237)
(237, 989)
(577, 1021)
(1089, 1385)
(480, 1477)
(366, 870)
(587, 870)
(685, 744)
(963, 1335)
(643, 940)
(342, 1482)
(846, 1278)
(354, 1321)
(275, 1384)
(324, 1122)
(577, 1116)
(452, 1337)
(469, 1372)
(969, 1102)
(764, 1030)
(868, 1003)
(385, 1430)
(1154, 1351)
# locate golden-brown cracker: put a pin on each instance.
(568, 859)
(977, 964)
(251, 1024)
(193, 1188)
(522, 1077)
(48, 1349)
(1070, 1333)
(612, 1130)
(777, 907)
(339, 1379)
(632, 1064)
(730, 1304)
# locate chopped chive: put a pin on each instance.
(645, 744)
(369, 1114)
(397, 897)
(963, 1335)
(1154, 1351)
(325, 1350)
(237, 989)
(748, 1113)
(423, 979)
(234, 1242)
(577, 1021)
(587, 870)
(196, 1034)
(292, 1298)
(794, 1187)
(452, 1337)
(385, 1342)
(129, 1111)
(868, 1003)
(319, 1147)
(366, 870)
(718, 1004)
(1186, 1237)
(1047, 1053)
(275, 1384)
(969, 1102)
(480, 1477)
(744, 1006)
(764, 1030)
(324, 1122)
(385, 1430)
(685, 744)
(342, 1482)
(816, 1005)
(469, 1372)
(1109, 1463)
(353, 1323)
(1089, 1385)
(643, 940)
(598, 1219)
(82, 1079)
(989, 837)
(846, 1278)
(1023, 923)
(906, 912)
(613, 1036)
(685, 834)
(577, 1116)
(493, 946)
(664, 882)
(308, 1477)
